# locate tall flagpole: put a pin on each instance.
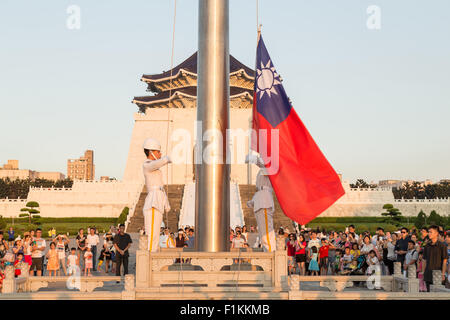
(212, 194)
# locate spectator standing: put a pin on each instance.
(300, 254)
(424, 236)
(291, 248)
(37, 250)
(73, 261)
(411, 257)
(435, 255)
(191, 239)
(81, 246)
(420, 271)
(401, 247)
(11, 236)
(181, 240)
(391, 255)
(323, 256)
(92, 242)
(27, 249)
(313, 263)
(52, 260)
(122, 242)
(164, 239)
(238, 241)
(88, 261)
(61, 242)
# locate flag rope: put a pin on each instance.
(168, 111)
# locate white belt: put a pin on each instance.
(264, 188)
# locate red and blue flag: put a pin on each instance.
(303, 180)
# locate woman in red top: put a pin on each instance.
(291, 247)
(300, 254)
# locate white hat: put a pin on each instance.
(152, 144)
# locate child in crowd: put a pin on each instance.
(355, 252)
(346, 260)
(313, 263)
(105, 255)
(88, 261)
(323, 256)
(19, 264)
(350, 268)
(72, 261)
(420, 271)
(373, 263)
(52, 260)
(337, 262)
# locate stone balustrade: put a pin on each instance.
(175, 267)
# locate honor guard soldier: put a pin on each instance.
(263, 205)
(156, 202)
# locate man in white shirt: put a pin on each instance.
(156, 202)
(314, 241)
(37, 250)
(92, 242)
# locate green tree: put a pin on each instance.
(421, 220)
(31, 212)
(394, 215)
(2, 223)
(435, 218)
(360, 183)
(123, 216)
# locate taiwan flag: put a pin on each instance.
(303, 180)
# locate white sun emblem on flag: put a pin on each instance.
(267, 78)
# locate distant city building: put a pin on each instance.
(82, 168)
(55, 176)
(390, 183)
(107, 178)
(401, 183)
(11, 170)
(11, 165)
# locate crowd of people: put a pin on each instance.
(317, 252)
(309, 252)
(54, 256)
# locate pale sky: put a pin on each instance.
(377, 102)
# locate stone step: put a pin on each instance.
(175, 195)
(279, 220)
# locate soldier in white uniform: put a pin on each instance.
(156, 202)
(263, 205)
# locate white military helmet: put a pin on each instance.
(152, 144)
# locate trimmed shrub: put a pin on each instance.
(123, 216)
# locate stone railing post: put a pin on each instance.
(281, 274)
(294, 282)
(9, 283)
(437, 280)
(397, 269)
(396, 286)
(130, 290)
(413, 282)
(143, 267)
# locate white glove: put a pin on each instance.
(168, 159)
(250, 204)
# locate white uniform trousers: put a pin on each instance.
(152, 226)
(264, 219)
